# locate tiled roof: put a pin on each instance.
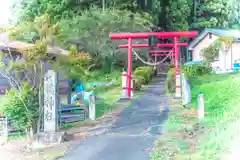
(225, 32)
(17, 45)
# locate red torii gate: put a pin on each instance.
(175, 45)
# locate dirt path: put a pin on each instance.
(132, 135)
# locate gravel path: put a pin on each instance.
(132, 135)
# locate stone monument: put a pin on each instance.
(50, 136)
(50, 101)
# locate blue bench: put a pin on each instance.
(66, 114)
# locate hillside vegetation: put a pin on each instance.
(214, 137)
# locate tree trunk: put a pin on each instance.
(40, 113)
(29, 133)
(40, 100)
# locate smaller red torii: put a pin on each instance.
(146, 45)
(175, 49)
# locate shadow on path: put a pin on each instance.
(131, 137)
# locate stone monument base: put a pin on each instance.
(48, 139)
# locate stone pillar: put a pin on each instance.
(50, 101)
(200, 106)
(183, 89)
(92, 107)
(186, 91)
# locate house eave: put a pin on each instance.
(18, 45)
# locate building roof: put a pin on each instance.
(6, 44)
(217, 32)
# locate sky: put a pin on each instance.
(5, 12)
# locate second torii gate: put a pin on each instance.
(175, 35)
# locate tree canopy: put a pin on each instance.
(167, 14)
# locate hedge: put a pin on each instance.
(196, 70)
(170, 82)
(189, 70)
(142, 75)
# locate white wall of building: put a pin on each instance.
(205, 42)
(236, 51)
(232, 54)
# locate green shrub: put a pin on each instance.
(170, 66)
(137, 82)
(196, 70)
(142, 75)
(189, 70)
(170, 82)
(21, 107)
(145, 72)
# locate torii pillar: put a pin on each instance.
(178, 91)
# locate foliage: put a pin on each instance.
(234, 15)
(167, 14)
(21, 107)
(213, 134)
(30, 64)
(145, 72)
(92, 30)
(189, 71)
(142, 75)
(197, 70)
(211, 52)
(177, 14)
(29, 10)
(170, 81)
(211, 14)
(171, 66)
(225, 42)
(46, 35)
(221, 110)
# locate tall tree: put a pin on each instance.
(234, 21)
(177, 14)
(211, 14)
(57, 9)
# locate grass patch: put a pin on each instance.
(208, 139)
(107, 100)
(73, 124)
(105, 103)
